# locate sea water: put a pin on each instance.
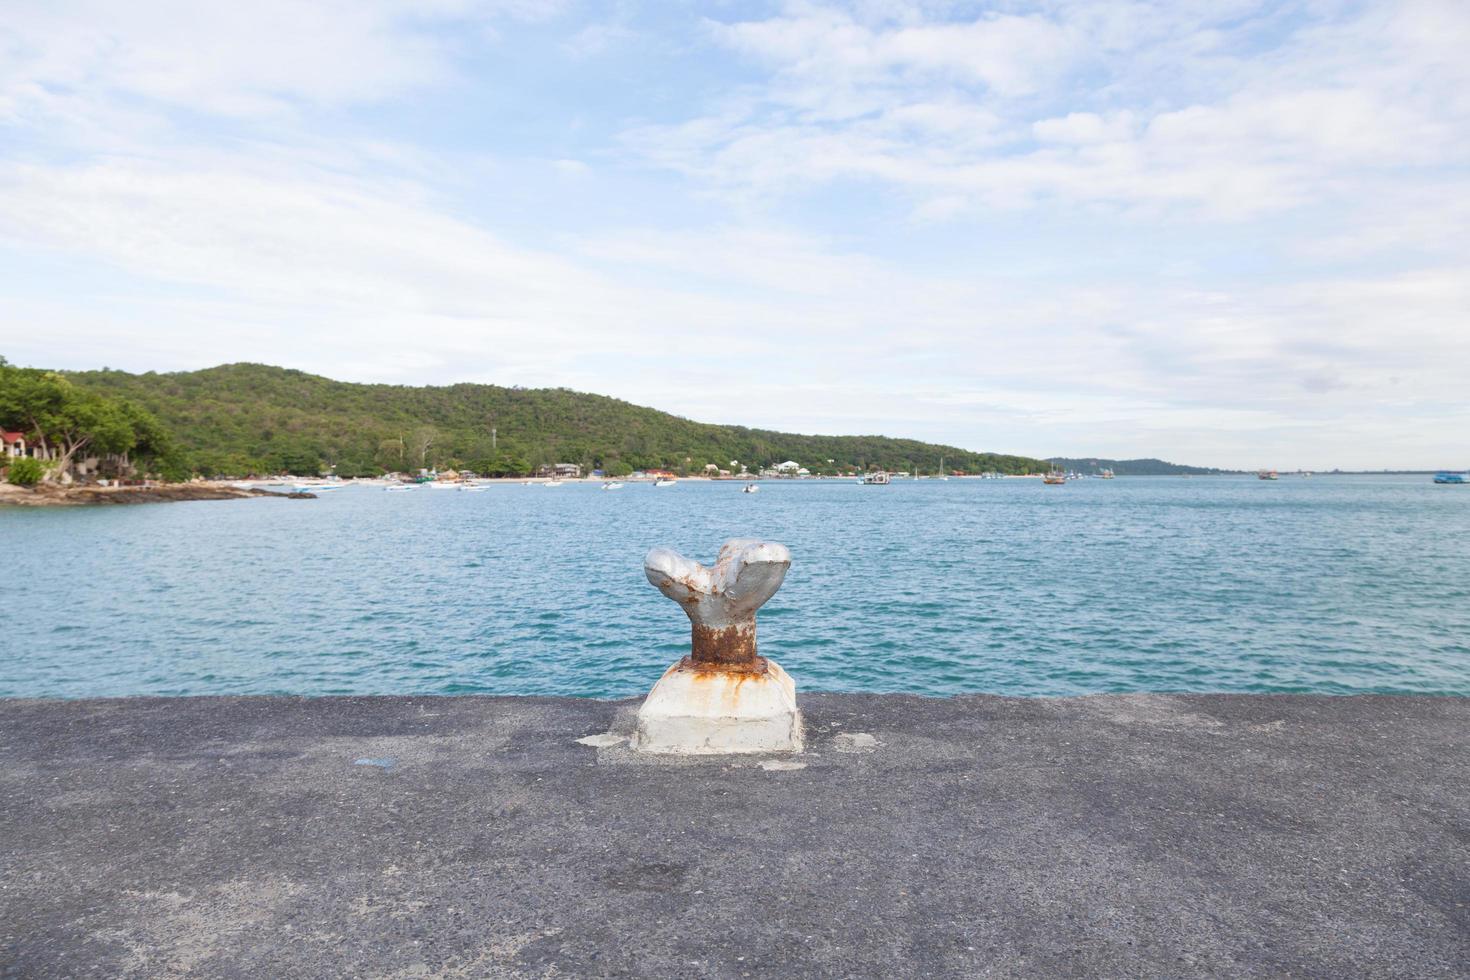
(1331, 584)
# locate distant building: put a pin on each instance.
(13, 444)
(569, 470)
(790, 466)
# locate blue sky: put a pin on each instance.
(1228, 232)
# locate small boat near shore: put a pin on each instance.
(1451, 478)
(664, 482)
(1055, 478)
(877, 479)
(398, 488)
(614, 485)
(1268, 475)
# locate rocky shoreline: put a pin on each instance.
(48, 495)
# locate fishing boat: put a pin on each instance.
(1268, 475)
(750, 488)
(1054, 479)
(878, 479)
(613, 485)
(1105, 475)
(664, 482)
(1451, 478)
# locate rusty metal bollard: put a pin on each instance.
(724, 696)
(721, 601)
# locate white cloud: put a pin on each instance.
(1314, 116)
(1008, 54)
(231, 58)
(1085, 127)
(1206, 230)
(595, 39)
(571, 168)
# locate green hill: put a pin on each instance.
(252, 418)
(1131, 467)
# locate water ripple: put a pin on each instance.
(1334, 585)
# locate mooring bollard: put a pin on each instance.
(724, 696)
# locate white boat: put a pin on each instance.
(612, 486)
(750, 488)
(552, 483)
(472, 488)
(444, 485)
(878, 479)
(399, 488)
(661, 482)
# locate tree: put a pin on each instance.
(154, 446)
(65, 419)
(300, 462)
(391, 454)
(503, 464)
(423, 440)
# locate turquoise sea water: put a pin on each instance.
(1328, 584)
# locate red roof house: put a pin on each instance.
(12, 444)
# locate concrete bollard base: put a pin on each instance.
(695, 710)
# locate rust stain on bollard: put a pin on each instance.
(724, 646)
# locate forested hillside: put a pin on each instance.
(252, 418)
(1131, 467)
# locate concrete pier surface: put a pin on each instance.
(1140, 835)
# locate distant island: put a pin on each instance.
(1130, 467)
(242, 419)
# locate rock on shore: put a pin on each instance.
(50, 495)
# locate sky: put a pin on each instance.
(1221, 232)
